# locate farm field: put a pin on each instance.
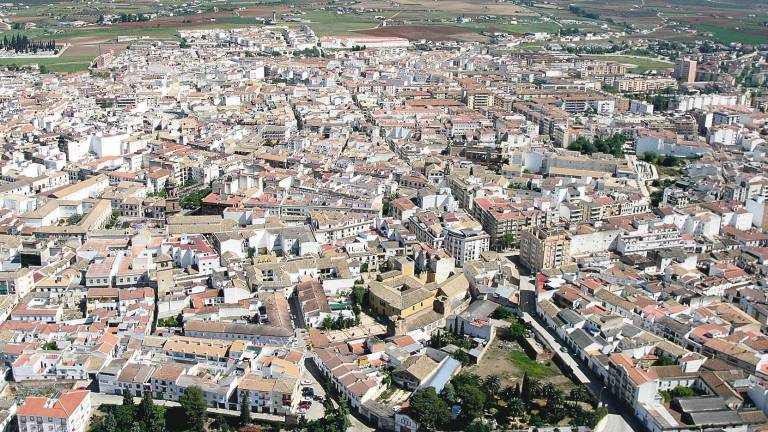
(430, 32)
(684, 20)
(60, 64)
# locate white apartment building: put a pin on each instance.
(647, 237)
(68, 411)
(465, 245)
(269, 395)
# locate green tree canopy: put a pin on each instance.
(195, 407)
(428, 409)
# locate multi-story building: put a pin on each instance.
(68, 411)
(642, 85)
(544, 249)
(504, 221)
(648, 235)
(331, 226)
(465, 244)
(269, 395)
(19, 282)
(685, 70)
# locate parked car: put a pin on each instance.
(305, 404)
(306, 382)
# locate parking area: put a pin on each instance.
(315, 410)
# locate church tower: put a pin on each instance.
(172, 205)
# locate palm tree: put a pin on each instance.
(534, 388)
(516, 407)
(492, 386)
(508, 393)
(552, 394)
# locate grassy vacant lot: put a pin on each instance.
(510, 362)
(533, 368)
(639, 64)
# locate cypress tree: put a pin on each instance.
(525, 389)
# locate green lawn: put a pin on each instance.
(640, 65)
(533, 368)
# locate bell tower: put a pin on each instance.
(172, 205)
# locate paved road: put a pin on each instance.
(618, 420)
(357, 424)
(557, 348)
(316, 410)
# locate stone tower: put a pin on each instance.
(172, 205)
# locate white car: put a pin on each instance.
(306, 382)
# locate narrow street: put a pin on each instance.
(618, 419)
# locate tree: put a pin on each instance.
(358, 295)
(168, 322)
(525, 388)
(106, 424)
(664, 360)
(245, 411)
(507, 241)
(221, 423)
(50, 346)
(516, 407)
(581, 394)
(681, 391)
(463, 380)
(548, 391)
(515, 331)
(145, 410)
(342, 414)
(502, 313)
(509, 392)
(449, 393)
(195, 408)
(478, 426)
(428, 409)
(472, 402)
(461, 356)
(328, 322)
(491, 386)
(150, 417)
(128, 398)
(125, 414)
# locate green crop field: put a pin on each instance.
(728, 33)
(56, 64)
(327, 23)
